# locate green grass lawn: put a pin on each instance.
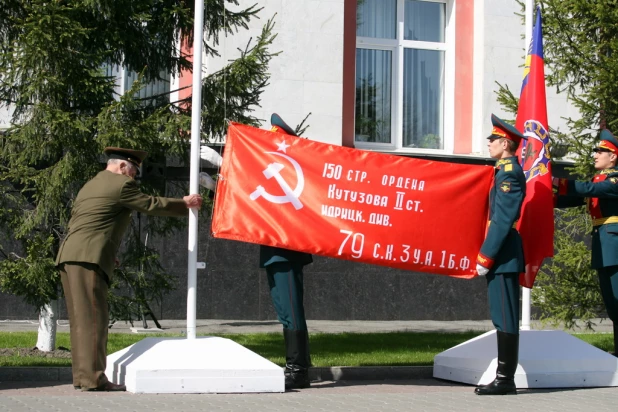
(327, 349)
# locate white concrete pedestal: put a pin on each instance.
(201, 365)
(547, 359)
(146, 330)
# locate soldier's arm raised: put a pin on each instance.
(132, 198)
(607, 188)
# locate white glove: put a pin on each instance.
(207, 181)
(211, 156)
(481, 270)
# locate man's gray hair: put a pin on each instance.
(116, 161)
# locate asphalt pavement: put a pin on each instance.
(404, 395)
(396, 390)
(217, 326)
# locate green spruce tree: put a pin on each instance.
(55, 58)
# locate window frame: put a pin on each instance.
(396, 47)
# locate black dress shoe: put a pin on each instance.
(498, 387)
(107, 387)
(296, 379)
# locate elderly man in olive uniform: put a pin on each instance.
(501, 258)
(100, 216)
(601, 197)
(284, 269)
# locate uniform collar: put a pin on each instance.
(608, 171)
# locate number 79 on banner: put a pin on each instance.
(444, 259)
(358, 243)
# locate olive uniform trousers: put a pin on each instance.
(85, 290)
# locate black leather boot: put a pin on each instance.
(297, 359)
(508, 355)
(616, 339)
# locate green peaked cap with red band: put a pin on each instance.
(503, 129)
(608, 142)
(277, 122)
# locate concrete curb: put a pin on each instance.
(339, 373)
(363, 373)
(36, 374)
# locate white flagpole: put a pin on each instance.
(196, 110)
(525, 292)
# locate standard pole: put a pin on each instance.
(196, 110)
(525, 292)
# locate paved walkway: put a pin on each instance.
(418, 395)
(217, 326)
(421, 394)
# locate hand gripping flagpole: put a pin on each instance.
(525, 292)
(196, 111)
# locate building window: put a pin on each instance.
(402, 75)
(125, 78)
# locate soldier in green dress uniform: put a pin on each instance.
(501, 258)
(284, 269)
(601, 197)
(100, 216)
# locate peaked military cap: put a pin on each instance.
(134, 156)
(278, 125)
(502, 129)
(608, 142)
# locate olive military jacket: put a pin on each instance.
(101, 214)
(601, 197)
(502, 251)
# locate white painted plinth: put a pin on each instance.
(202, 365)
(148, 330)
(547, 359)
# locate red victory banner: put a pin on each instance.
(289, 192)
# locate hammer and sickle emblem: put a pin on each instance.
(273, 171)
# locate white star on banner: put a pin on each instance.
(282, 146)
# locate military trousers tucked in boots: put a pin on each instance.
(503, 294)
(297, 359)
(508, 356)
(285, 280)
(608, 281)
(616, 339)
(85, 290)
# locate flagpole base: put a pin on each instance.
(207, 364)
(547, 359)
